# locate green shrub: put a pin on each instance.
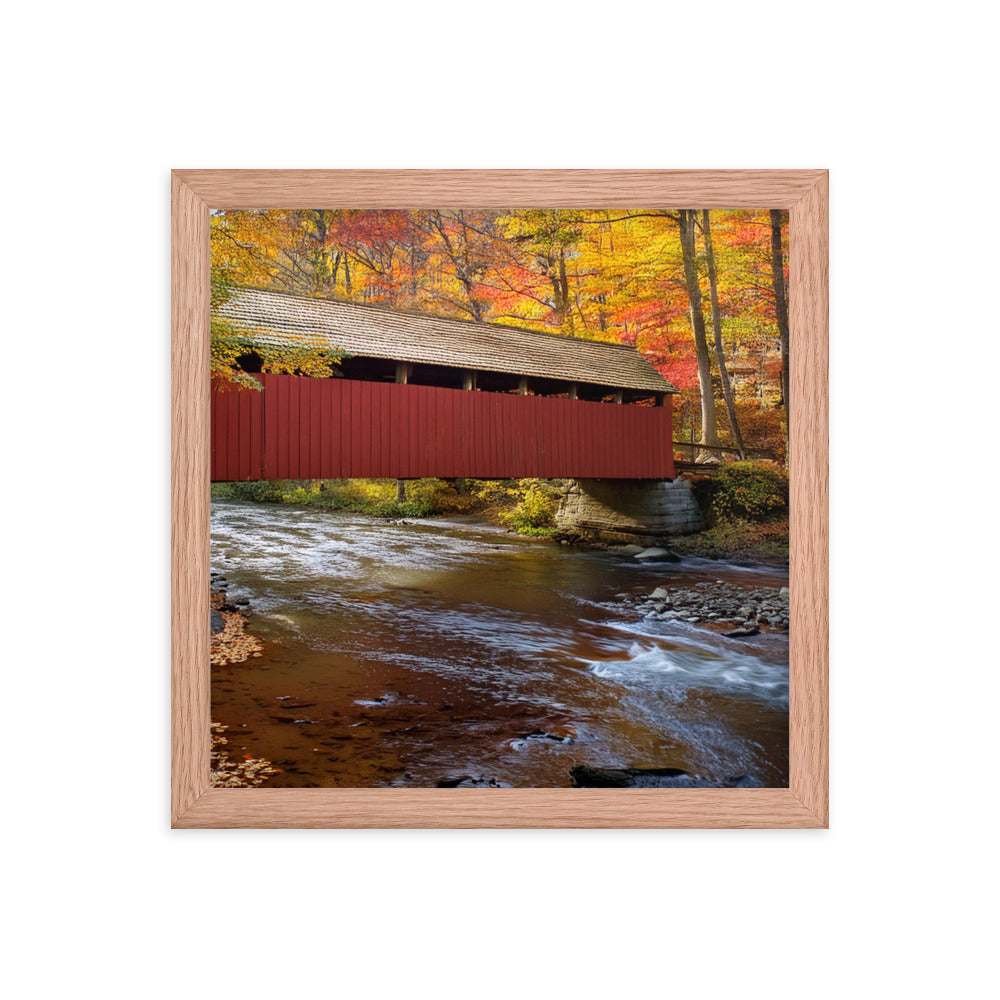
(748, 491)
(259, 491)
(534, 510)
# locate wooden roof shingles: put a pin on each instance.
(282, 319)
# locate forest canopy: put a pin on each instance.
(701, 294)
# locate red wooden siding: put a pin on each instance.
(303, 428)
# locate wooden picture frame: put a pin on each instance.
(803, 804)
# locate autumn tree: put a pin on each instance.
(720, 354)
(781, 310)
(709, 427)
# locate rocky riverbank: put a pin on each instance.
(728, 608)
(231, 642)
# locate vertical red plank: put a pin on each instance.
(466, 429)
(219, 430)
(385, 449)
(486, 433)
(512, 427)
(363, 414)
(329, 427)
(271, 429)
(433, 417)
(357, 430)
(279, 387)
(451, 400)
(371, 408)
(376, 390)
(385, 432)
(304, 386)
(213, 439)
(224, 435)
(315, 428)
(346, 430)
(563, 430)
(294, 426)
(344, 423)
(243, 408)
(234, 434)
(256, 417)
(482, 432)
(399, 429)
(375, 443)
(668, 432)
(389, 444)
(408, 432)
(332, 414)
(619, 411)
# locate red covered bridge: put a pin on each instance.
(421, 396)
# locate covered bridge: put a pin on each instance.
(420, 395)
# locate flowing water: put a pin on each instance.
(404, 654)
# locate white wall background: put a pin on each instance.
(101, 100)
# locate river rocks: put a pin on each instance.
(585, 776)
(655, 554)
(726, 606)
(230, 642)
(558, 734)
(467, 781)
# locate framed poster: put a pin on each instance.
(490, 402)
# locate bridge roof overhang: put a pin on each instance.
(283, 320)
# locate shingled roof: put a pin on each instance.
(369, 331)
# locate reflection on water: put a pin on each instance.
(402, 654)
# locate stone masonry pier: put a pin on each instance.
(624, 511)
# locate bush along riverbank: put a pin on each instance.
(524, 506)
(745, 506)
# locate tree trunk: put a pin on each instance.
(781, 312)
(709, 429)
(720, 354)
(400, 491)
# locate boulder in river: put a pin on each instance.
(742, 632)
(655, 554)
(585, 776)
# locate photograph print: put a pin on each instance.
(499, 498)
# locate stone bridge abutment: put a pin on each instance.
(624, 511)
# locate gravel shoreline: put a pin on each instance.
(728, 608)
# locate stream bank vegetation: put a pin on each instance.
(745, 506)
(524, 506)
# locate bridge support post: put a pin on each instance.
(625, 511)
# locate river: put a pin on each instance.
(407, 654)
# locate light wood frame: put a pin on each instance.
(804, 803)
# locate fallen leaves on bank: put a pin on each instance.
(233, 644)
(247, 772)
